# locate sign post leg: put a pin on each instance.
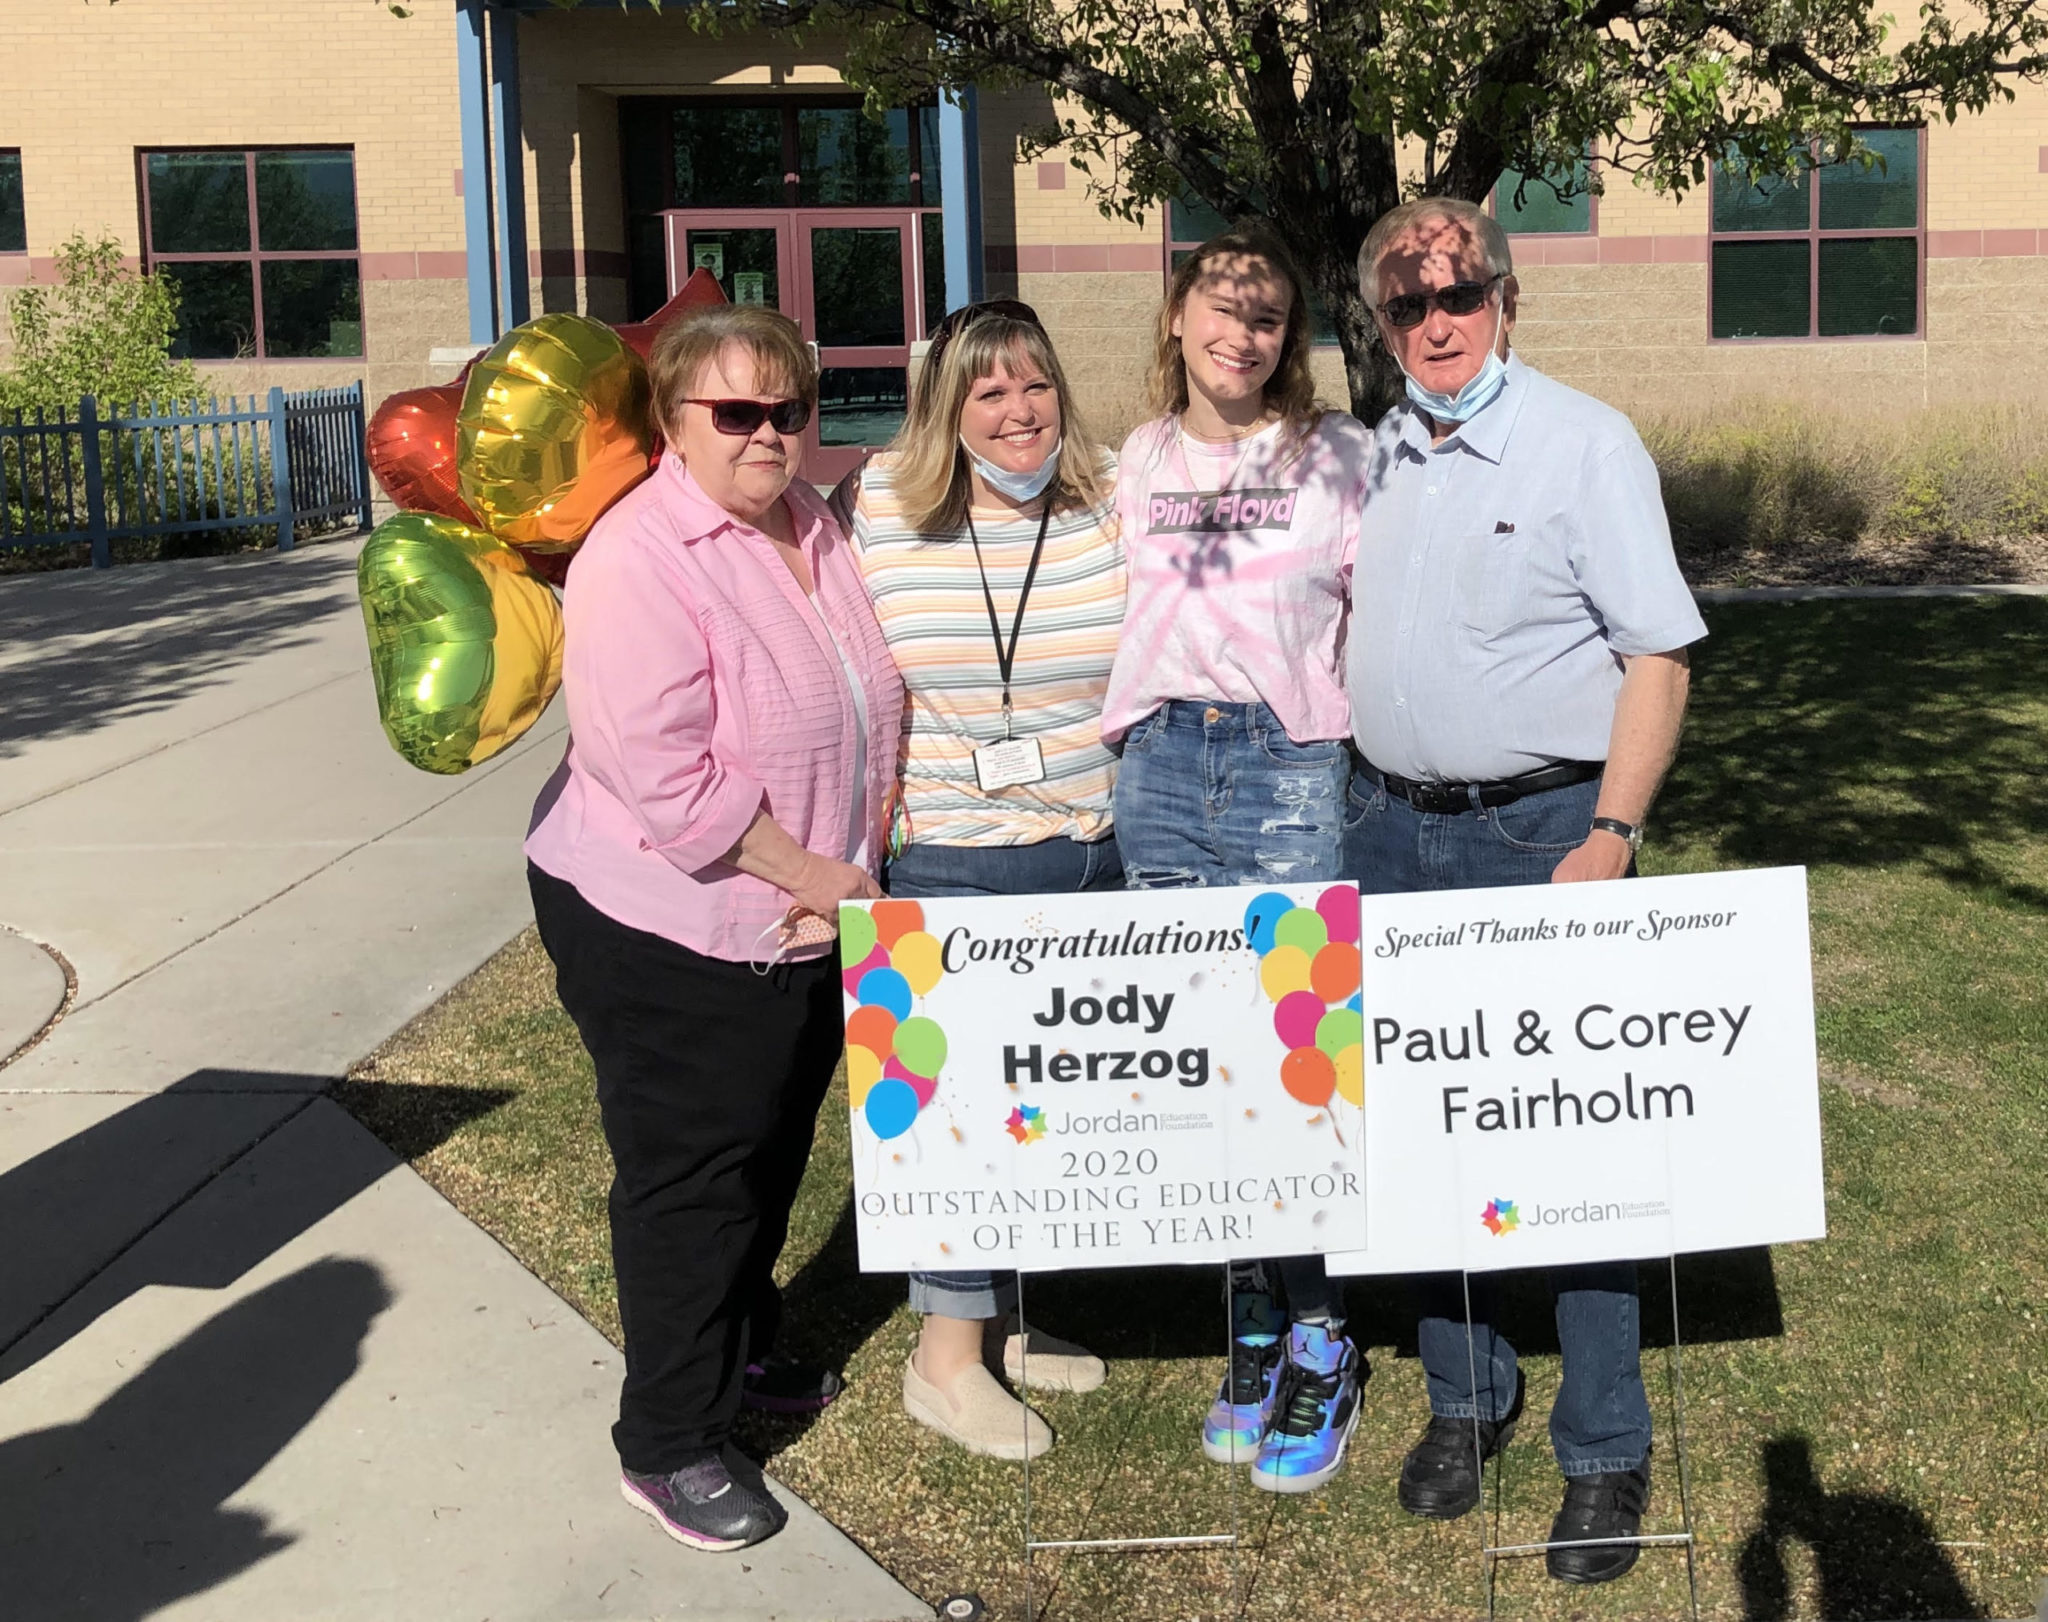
(1032, 1545)
(1491, 1554)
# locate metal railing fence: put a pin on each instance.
(184, 467)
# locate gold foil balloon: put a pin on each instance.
(555, 426)
(465, 640)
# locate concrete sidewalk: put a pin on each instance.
(250, 1365)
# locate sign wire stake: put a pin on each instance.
(1032, 1546)
(1692, 1578)
(1491, 1554)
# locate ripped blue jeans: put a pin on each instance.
(1218, 794)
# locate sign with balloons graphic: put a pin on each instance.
(1105, 1080)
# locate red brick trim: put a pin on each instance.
(1008, 258)
(19, 269)
(1679, 250)
(414, 267)
(1580, 250)
(1987, 244)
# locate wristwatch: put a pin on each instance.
(1631, 831)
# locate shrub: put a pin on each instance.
(101, 329)
(1767, 478)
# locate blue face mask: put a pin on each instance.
(1479, 393)
(1018, 486)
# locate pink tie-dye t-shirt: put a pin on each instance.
(1240, 572)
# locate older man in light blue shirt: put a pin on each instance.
(1517, 675)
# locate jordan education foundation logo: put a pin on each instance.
(1026, 1123)
(1499, 1217)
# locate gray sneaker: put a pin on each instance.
(703, 1506)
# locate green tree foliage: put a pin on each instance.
(1319, 115)
(100, 329)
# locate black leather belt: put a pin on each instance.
(1451, 798)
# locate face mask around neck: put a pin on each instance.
(1018, 486)
(1478, 393)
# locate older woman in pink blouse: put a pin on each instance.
(733, 718)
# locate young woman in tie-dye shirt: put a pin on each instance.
(1239, 506)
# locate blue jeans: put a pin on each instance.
(1601, 1419)
(1050, 867)
(1218, 794)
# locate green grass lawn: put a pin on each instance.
(1868, 1416)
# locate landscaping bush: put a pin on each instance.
(1795, 492)
(100, 329)
(104, 330)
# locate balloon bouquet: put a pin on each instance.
(500, 475)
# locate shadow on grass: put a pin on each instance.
(413, 1121)
(1829, 732)
(1875, 1557)
(830, 1309)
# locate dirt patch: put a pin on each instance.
(1873, 560)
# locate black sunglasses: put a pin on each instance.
(958, 321)
(1460, 298)
(742, 417)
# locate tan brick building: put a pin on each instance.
(345, 193)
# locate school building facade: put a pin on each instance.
(346, 193)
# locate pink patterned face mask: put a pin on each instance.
(797, 928)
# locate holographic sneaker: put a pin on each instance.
(1237, 1418)
(1314, 1414)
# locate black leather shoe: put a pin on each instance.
(1440, 1476)
(1598, 1507)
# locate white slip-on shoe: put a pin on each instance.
(976, 1412)
(1056, 1365)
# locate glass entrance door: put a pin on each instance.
(850, 279)
(859, 292)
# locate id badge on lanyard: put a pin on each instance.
(1015, 762)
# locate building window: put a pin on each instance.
(13, 221)
(262, 245)
(809, 152)
(1190, 222)
(1547, 205)
(1832, 252)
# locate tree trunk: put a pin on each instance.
(1371, 376)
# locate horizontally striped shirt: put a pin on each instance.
(928, 598)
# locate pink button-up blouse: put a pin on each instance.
(704, 686)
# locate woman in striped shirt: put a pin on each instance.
(988, 539)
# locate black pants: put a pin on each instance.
(709, 1078)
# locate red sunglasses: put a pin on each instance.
(742, 417)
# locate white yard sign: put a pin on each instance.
(1105, 1080)
(1588, 1072)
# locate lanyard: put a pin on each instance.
(1006, 659)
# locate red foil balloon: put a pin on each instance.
(701, 288)
(410, 444)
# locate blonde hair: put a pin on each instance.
(773, 342)
(1395, 223)
(1291, 390)
(929, 467)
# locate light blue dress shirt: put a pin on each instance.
(1500, 577)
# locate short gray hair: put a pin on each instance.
(1484, 228)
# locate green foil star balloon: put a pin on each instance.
(465, 640)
